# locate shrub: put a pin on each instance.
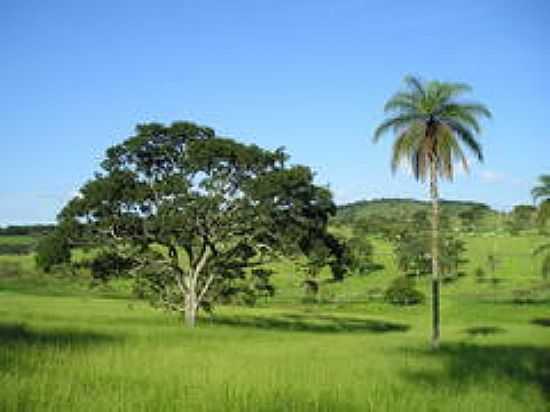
(52, 250)
(402, 292)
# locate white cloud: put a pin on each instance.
(492, 176)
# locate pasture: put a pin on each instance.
(66, 347)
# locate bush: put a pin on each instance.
(52, 250)
(402, 292)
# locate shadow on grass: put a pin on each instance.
(16, 340)
(311, 323)
(483, 331)
(19, 334)
(470, 364)
(541, 322)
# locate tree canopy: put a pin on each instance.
(193, 216)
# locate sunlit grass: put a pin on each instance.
(66, 347)
(79, 353)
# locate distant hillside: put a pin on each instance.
(26, 230)
(401, 208)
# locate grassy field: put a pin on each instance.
(65, 347)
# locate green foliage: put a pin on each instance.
(522, 217)
(379, 215)
(403, 292)
(52, 250)
(430, 122)
(108, 264)
(189, 214)
(541, 192)
(320, 250)
(472, 217)
(360, 252)
(413, 247)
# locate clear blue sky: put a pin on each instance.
(313, 76)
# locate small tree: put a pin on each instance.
(360, 251)
(193, 215)
(53, 249)
(413, 248)
(402, 292)
(472, 217)
(522, 217)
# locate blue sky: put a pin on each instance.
(312, 76)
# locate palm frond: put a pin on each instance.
(402, 102)
(457, 88)
(454, 110)
(465, 135)
(424, 105)
(406, 144)
(541, 191)
(477, 109)
(448, 153)
(394, 123)
(415, 84)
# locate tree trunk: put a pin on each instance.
(190, 304)
(435, 255)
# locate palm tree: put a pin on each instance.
(431, 127)
(542, 191)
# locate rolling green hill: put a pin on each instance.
(403, 208)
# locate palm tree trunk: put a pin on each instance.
(435, 255)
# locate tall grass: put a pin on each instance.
(78, 353)
(64, 347)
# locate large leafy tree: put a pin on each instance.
(432, 127)
(193, 216)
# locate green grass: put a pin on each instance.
(517, 270)
(87, 353)
(18, 239)
(64, 347)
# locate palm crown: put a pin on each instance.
(432, 126)
(542, 191)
